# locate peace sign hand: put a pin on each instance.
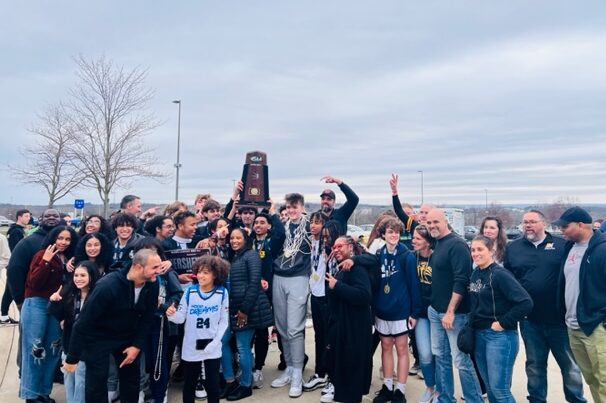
(49, 253)
(331, 281)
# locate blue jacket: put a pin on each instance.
(398, 296)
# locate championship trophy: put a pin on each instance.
(255, 192)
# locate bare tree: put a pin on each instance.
(109, 110)
(49, 163)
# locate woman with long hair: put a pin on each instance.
(95, 247)
(497, 303)
(40, 332)
(375, 241)
(66, 304)
(422, 244)
(492, 227)
(95, 223)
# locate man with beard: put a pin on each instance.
(449, 309)
(535, 261)
(328, 199)
(115, 321)
(18, 265)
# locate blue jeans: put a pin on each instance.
(495, 355)
(444, 347)
(426, 359)
(74, 383)
(41, 348)
(243, 341)
(539, 339)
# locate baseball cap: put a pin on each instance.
(573, 214)
(329, 193)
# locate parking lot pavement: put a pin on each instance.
(9, 382)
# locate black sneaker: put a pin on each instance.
(229, 388)
(9, 321)
(383, 396)
(240, 393)
(398, 396)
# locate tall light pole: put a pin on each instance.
(178, 164)
(421, 172)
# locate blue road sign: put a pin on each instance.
(79, 203)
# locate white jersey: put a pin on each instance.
(206, 316)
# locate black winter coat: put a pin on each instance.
(245, 294)
(110, 315)
(349, 353)
(18, 265)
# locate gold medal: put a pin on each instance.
(386, 289)
(315, 277)
(261, 253)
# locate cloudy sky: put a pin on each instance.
(506, 97)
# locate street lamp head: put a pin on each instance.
(177, 101)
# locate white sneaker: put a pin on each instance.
(282, 380)
(427, 396)
(257, 379)
(201, 394)
(112, 396)
(141, 397)
(329, 388)
(296, 388)
(329, 396)
(315, 382)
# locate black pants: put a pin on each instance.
(7, 298)
(97, 368)
(319, 316)
(191, 372)
(261, 342)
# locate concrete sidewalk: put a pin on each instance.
(9, 381)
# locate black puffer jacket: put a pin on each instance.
(245, 294)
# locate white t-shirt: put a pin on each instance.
(138, 293)
(317, 281)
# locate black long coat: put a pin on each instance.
(245, 294)
(349, 353)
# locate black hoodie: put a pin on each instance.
(21, 257)
(14, 234)
(111, 317)
(591, 305)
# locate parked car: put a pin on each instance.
(470, 232)
(513, 233)
(5, 222)
(358, 233)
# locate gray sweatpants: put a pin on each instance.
(290, 307)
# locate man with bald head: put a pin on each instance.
(115, 321)
(451, 269)
(18, 265)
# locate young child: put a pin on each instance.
(204, 308)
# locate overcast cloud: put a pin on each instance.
(508, 97)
